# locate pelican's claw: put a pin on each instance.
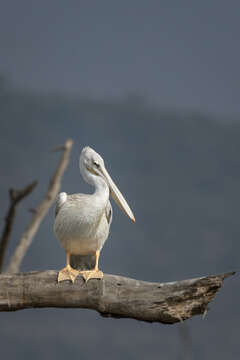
(68, 273)
(91, 274)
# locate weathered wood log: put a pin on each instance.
(113, 296)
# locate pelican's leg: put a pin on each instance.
(68, 273)
(95, 273)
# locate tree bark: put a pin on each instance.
(113, 296)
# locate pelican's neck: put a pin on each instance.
(101, 188)
(101, 192)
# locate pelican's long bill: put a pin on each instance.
(116, 194)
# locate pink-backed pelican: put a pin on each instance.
(82, 221)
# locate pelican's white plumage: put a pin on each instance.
(82, 221)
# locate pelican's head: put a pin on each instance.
(92, 167)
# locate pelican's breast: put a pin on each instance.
(81, 224)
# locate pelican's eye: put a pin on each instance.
(96, 163)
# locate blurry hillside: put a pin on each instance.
(179, 171)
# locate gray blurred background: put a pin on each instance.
(154, 87)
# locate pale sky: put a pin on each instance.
(181, 54)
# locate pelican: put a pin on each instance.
(82, 221)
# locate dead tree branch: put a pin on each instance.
(15, 197)
(113, 296)
(40, 212)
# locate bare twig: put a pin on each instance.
(40, 212)
(15, 197)
(113, 296)
(58, 148)
(186, 342)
